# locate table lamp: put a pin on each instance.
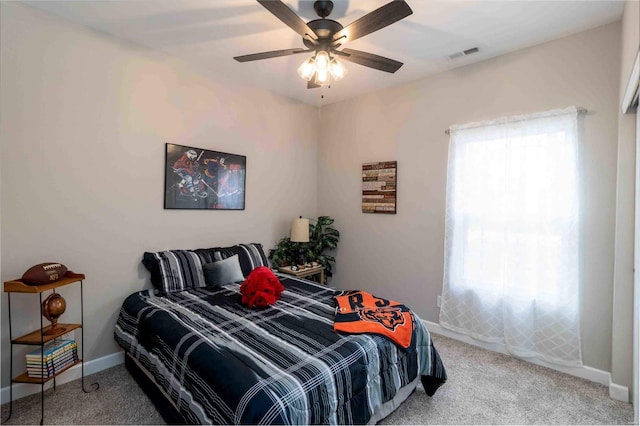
(300, 234)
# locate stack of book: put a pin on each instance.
(54, 357)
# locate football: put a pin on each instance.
(44, 273)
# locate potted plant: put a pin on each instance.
(322, 238)
(285, 253)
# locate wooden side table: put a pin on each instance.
(305, 272)
(39, 337)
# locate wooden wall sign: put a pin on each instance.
(379, 187)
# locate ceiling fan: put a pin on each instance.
(324, 36)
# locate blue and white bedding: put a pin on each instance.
(219, 362)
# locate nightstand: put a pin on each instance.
(304, 272)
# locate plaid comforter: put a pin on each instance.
(219, 362)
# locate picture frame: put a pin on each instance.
(379, 187)
(202, 179)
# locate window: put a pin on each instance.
(513, 235)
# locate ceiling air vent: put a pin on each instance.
(464, 53)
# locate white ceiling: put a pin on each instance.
(210, 33)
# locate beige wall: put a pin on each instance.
(622, 335)
(82, 132)
(84, 123)
(401, 256)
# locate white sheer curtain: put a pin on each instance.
(512, 244)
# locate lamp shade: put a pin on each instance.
(300, 230)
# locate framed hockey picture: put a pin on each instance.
(197, 178)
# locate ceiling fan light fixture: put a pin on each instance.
(322, 77)
(320, 68)
(307, 69)
(337, 70)
(322, 60)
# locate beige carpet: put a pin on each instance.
(483, 388)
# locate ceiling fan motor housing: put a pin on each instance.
(324, 29)
(323, 8)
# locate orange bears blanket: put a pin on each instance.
(362, 312)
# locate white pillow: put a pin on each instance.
(223, 272)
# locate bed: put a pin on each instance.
(204, 358)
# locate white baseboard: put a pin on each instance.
(617, 392)
(620, 393)
(21, 390)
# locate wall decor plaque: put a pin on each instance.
(379, 185)
(197, 178)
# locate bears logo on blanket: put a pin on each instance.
(261, 288)
(362, 312)
(390, 318)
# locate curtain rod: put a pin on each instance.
(580, 110)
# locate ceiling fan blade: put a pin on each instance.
(373, 21)
(369, 60)
(289, 17)
(312, 85)
(267, 55)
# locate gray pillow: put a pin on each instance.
(223, 272)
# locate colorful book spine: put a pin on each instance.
(58, 355)
(51, 349)
(38, 372)
(53, 359)
(54, 363)
(39, 360)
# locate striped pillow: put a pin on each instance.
(250, 255)
(206, 255)
(177, 270)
